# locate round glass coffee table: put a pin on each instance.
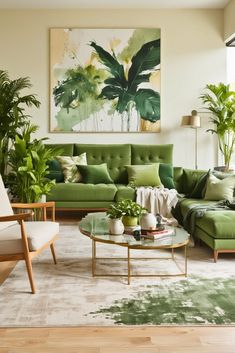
(95, 226)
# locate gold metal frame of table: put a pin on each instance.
(95, 239)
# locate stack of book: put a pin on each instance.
(158, 234)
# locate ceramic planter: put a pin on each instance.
(129, 221)
(116, 226)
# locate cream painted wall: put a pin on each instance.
(192, 52)
(229, 19)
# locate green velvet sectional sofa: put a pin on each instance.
(117, 156)
(215, 228)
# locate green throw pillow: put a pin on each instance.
(144, 175)
(217, 189)
(69, 167)
(200, 187)
(55, 171)
(166, 175)
(95, 174)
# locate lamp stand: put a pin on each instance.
(196, 166)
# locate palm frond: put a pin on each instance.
(115, 68)
(146, 59)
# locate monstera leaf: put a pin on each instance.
(65, 93)
(146, 59)
(148, 104)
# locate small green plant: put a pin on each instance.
(114, 212)
(29, 167)
(125, 208)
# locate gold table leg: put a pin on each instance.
(128, 266)
(93, 257)
(186, 262)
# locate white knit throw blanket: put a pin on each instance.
(157, 200)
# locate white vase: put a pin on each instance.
(148, 221)
(43, 198)
(116, 226)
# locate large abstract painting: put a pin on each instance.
(105, 80)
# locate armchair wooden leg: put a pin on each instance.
(53, 252)
(30, 273)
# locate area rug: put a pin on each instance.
(68, 295)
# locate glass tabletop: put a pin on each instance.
(96, 226)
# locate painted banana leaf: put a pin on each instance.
(125, 91)
(146, 59)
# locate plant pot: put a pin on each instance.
(148, 221)
(116, 226)
(43, 198)
(129, 221)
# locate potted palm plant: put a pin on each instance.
(220, 101)
(12, 113)
(29, 167)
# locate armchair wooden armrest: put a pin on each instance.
(16, 217)
(37, 205)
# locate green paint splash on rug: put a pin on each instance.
(191, 301)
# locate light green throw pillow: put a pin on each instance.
(217, 189)
(144, 175)
(95, 174)
(69, 167)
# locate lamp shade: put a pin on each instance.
(193, 121)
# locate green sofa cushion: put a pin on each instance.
(95, 174)
(115, 155)
(55, 171)
(217, 189)
(82, 192)
(146, 154)
(218, 224)
(199, 189)
(84, 205)
(178, 173)
(166, 175)
(124, 192)
(144, 175)
(190, 178)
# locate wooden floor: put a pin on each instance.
(114, 339)
(118, 340)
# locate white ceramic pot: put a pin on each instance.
(43, 198)
(116, 226)
(148, 221)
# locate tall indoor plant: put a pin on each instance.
(12, 112)
(220, 101)
(29, 166)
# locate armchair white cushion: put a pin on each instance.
(38, 234)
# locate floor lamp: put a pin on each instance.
(193, 121)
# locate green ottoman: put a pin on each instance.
(217, 230)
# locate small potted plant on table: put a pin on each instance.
(127, 211)
(115, 214)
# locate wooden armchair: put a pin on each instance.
(20, 240)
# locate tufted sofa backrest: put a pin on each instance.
(146, 154)
(115, 155)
